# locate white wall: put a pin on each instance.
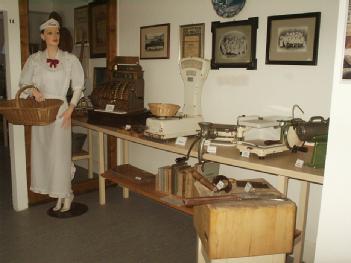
(16, 132)
(334, 232)
(271, 89)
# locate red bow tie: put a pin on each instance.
(53, 62)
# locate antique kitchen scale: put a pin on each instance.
(194, 72)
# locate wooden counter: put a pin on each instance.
(281, 165)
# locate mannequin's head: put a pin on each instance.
(50, 33)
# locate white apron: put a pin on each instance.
(51, 144)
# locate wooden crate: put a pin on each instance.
(245, 228)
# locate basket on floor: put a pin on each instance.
(28, 111)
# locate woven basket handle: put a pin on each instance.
(19, 92)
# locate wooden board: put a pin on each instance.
(147, 190)
(246, 228)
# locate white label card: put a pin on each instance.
(211, 149)
(181, 141)
(299, 163)
(220, 185)
(245, 154)
(207, 142)
(248, 187)
(109, 107)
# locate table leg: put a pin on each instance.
(125, 161)
(282, 185)
(301, 220)
(102, 190)
(200, 256)
(90, 159)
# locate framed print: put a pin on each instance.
(98, 29)
(100, 76)
(293, 39)
(346, 73)
(154, 41)
(81, 25)
(192, 40)
(234, 44)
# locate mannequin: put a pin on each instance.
(52, 71)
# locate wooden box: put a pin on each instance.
(245, 228)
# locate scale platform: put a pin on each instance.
(173, 127)
(260, 149)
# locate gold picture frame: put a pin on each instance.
(192, 40)
(154, 41)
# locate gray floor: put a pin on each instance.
(128, 231)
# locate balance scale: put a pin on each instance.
(194, 72)
(259, 147)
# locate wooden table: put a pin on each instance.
(281, 165)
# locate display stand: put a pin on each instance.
(77, 209)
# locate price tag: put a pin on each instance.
(207, 142)
(245, 154)
(248, 187)
(220, 185)
(299, 163)
(181, 141)
(109, 107)
(211, 149)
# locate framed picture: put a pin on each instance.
(100, 76)
(98, 29)
(154, 41)
(81, 25)
(346, 73)
(234, 44)
(293, 39)
(192, 40)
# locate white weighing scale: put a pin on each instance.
(194, 72)
(259, 147)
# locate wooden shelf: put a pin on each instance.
(80, 156)
(124, 176)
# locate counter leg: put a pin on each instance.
(199, 255)
(125, 161)
(102, 190)
(90, 149)
(301, 220)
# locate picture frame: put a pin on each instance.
(293, 39)
(81, 24)
(234, 44)
(154, 41)
(98, 29)
(346, 69)
(192, 40)
(100, 76)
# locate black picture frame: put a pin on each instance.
(293, 39)
(234, 44)
(155, 41)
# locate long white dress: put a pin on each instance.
(51, 144)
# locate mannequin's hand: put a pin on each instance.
(38, 95)
(66, 122)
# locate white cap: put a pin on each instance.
(49, 23)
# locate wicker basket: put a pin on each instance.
(28, 111)
(163, 109)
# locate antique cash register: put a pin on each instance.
(120, 100)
